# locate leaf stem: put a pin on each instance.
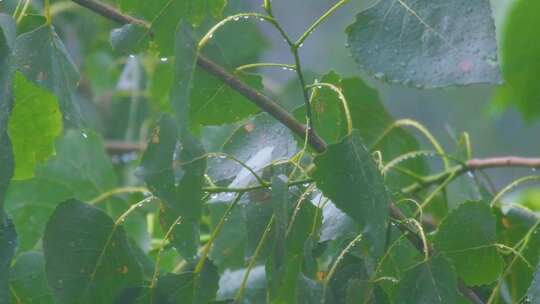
(305, 90)
(47, 10)
(319, 21)
(473, 165)
(215, 233)
(342, 98)
(262, 241)
(265, 65)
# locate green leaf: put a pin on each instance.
(129, 39)
(80, 169)
(229, 248)
(50, 67)
(520, 227)
(7, 41)
(427, 43)
(258, 142)
(347, 174)
(467, 237)
(533, 294)
(165, 15)
(520, 54)
(88, 258)
(34, 124)
(369, 117)
(173, 169)
(229, 283)
(431, 282)
(28, 282)
(215, 103)
(190, 287)
(284, 264)
(8, 243)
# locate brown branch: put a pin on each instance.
(272, 108)
(264, 102)
(472, 165)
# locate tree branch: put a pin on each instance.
(262, 101)
(472, 165)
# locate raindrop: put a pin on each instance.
(131, 56)
(164, 59)
(236, 18)
(84, 135)
(470, 174)
(533, 169)
(246, 17)
(379, 75)
(301, 45)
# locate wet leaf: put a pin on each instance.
(164, 16)
(28, 282)
(467, 237)
(427, 43)
(42, 57)
(347, 174)
(88, 258)
(433, 281)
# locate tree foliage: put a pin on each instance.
(143, 158)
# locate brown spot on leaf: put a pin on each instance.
(249, 127)
(155, 135)
(124, 269)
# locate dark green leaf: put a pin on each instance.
(8, 243)
(185, 287)
(427, 43)
(43, 58)
(215, 103)
(80, 169)
(467, 237)
(173, 169)
(288, 276)
(88, 258)
(165, 15)
(347, 174)
(258, 143)
(34, 124)
(229, 283)
(229, 248)
(533, 294)
(519, 226)
(129, 39)
(28, 281)
(431, 282)
(520, 54)
(369, 117)
(7, 41)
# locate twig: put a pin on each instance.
(472, 165)
(262, 101)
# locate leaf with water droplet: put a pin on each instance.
(95, 231)
(442, 43)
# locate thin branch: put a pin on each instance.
(473, 165)
(110, 12)
(262, 101)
